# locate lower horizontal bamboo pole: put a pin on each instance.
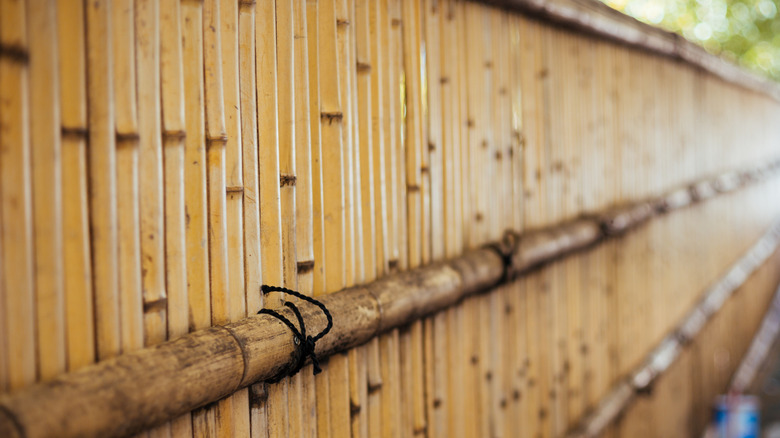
(669, 349)
(135, 391)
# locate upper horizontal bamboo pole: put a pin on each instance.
(134, 391)
(595, 18)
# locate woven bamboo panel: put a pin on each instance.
(160, 160)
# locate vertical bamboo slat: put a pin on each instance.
(174, 164)
(102, 179)
(76, 245)
(47, 195)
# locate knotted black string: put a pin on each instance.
(506, 248)
(306, 344)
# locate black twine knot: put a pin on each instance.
(506, 249)
(306, 343)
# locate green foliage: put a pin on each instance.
(745, 31)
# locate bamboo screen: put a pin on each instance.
(159, 161)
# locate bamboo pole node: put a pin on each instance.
(331, 116)
(14, 53)
(363, 67)
(127, 138)
(74, 133)
(234, 189)
(156, 305)
(174, 135)
(305, 266)
(220, 140)
(305, 344)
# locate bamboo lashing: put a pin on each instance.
(260, 348)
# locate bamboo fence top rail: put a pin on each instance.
(134, 391)
(596, 18)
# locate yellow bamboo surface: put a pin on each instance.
(160, 160)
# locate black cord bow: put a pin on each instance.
(306, 344)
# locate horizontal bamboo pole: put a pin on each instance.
(595, 18)
(129, 393)
(669, 349)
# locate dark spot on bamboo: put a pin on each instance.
(156, 305)
(542, 413)
(503, 403)
(342, 22)
(392, 264)
(489, 376)
(478, 217)
(553, 395)
(305, 266)
(474, 360)
(507, 309)
(14, 53)
(395, 22)
(234, 189)
(470, 123)
(421, 430)
(584, 350)
(498, 156)
(412, 188)
(424, 169)
(531, 383)
(484, 144)
(502, 91)
(543, 73)
(516, 394)
(431, 146)
(444, 80)
(437, 403)
(488, 65)
(287, 180)
(258, 394)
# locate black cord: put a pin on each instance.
(306, 344)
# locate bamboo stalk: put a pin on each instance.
(76, 246)
(260, 347)
(102, 180)
(17, 200)
(127, 182)
(173, 156)
(304, 197)
(47, 194)
(270, 204)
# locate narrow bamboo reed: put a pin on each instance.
(46, 172)
(173, 156)
(275, 408)
(103, 179)
(76, 244)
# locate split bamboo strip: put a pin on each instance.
(150, 174)
(251, 191)
(17, 230)
(304, 269)
(46, 186)
(127, 183)
(288, 179)
(275, 408)
(173, 144)
(75, 204)
(258, 348)
(102, 180)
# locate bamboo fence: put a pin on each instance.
(522, 215)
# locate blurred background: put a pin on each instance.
(745, 31)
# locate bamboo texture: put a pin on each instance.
(160, 160)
